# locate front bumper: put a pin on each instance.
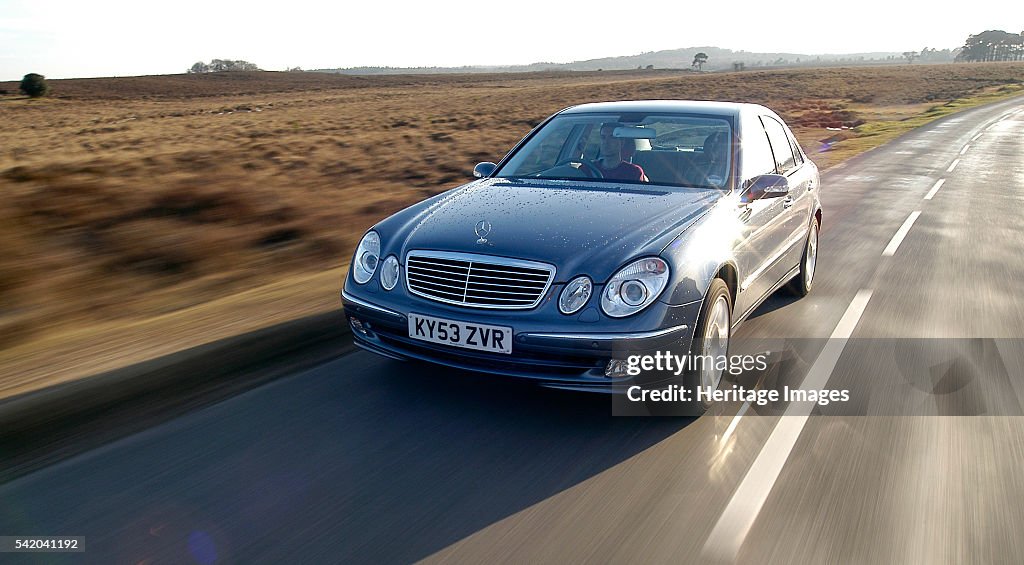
(564, 357)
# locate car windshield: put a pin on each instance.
(663, 149)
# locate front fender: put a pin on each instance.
(700, 253)
(692, 280)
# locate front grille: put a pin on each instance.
(479, 281)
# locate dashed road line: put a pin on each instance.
(901, 233)
(931, 193)
(964, 150)
(975, 138)
(735, 421)
(743, 508)
(953, 165)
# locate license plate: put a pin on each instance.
(483, 337)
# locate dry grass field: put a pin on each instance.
(146, 214)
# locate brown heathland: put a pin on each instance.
(130, 198)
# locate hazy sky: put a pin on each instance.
(62, 39)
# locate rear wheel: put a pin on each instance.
(804, 280)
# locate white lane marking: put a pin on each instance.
(975, 138)
(739, 515)
(901, 233)
(735, 421)
(934, 189)
(953, 165)
(964, 150)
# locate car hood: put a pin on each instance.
(581, 228)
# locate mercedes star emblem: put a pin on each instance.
(482, 228)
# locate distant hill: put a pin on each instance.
(718, 59)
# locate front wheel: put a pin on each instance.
(804, 280)
(711, 342)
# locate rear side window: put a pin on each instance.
(796, 148)
(783, 151)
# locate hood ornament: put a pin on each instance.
(482, 229)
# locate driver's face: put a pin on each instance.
(610, 145)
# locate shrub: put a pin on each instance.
(34, 85)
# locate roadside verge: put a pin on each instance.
(40, 427)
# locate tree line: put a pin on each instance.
(993, 45)
(222, 65)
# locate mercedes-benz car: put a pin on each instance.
(611, 228)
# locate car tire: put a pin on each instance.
(803, 282)
(710, 337)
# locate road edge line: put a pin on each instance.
(735, 522)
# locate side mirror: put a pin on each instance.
(482, 170)
(765, 186)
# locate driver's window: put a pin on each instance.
(757, 152)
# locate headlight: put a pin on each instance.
(367, 256)
(389, 273)
(575, 295)
(634, 287)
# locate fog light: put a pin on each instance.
(357, 325)
(616, 368)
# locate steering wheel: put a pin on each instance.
(591, 170)
(585, 166)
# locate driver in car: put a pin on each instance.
(612, 162)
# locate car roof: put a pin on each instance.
(668, 106)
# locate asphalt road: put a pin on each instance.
(367, 460)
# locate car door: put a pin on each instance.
(760, 220)
(806, 175)
(796, 205)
